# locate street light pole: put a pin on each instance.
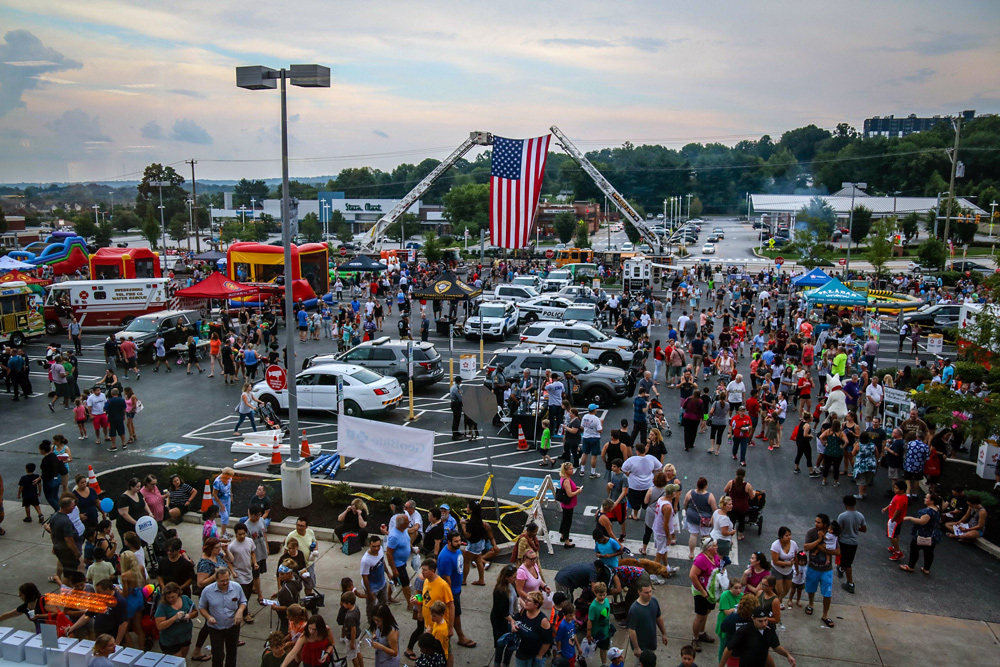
(689, 204)
(295, 485)
(993, 214)
(850, 227)
(163, 224)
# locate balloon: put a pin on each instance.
(107, 505)
(145, 528)
(148, 590)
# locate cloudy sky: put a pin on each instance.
(98, 89)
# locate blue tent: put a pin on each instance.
(815, 278)
(835, 293)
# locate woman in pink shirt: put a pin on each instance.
(154, 497)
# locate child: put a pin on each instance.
(771, 430)
(80, 415)
(599, 621)
(101, 568)
(565, 645)
(351, 627)
(617, 656)
(430, 652)
(896, 509)
(687, 657)
(798, 578)
(275, 653)
(27, 490)
(546, 444)
(439, 628)
(297, 618)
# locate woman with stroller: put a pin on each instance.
(246, 409)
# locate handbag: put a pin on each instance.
(706, 522)
(561, 495)
(925, 541)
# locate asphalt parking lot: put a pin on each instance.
(194, 416)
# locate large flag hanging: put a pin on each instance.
(516, 173)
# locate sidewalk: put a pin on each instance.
(864, 635)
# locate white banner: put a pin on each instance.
(401, 446)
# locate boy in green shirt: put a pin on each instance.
(546, 444)
(599, 621)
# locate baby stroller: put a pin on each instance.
(269, 418)
(756, 514)
(659, 420)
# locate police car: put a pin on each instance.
(556, 280)
(583, 339)
(495, 319)
(547, 308)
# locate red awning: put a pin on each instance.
(216, 286)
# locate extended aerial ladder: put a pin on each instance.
(626, 209)
(372, 236)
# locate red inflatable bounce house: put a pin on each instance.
(110, 263)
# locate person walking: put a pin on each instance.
(699, 506)
(701, 572)
(223, 605)
(783, 553)
(192, 355)
(819, 571)
(741, 492)
(214, 353)
(51, 472)
(643, 619)
(591, 440)
(718, 417)
(852, 524)
(568, 491)
(373, 577)
(455, 398)
(694, 411)
(116, 410)
(926, 533)
(74, 333)
(132, 407)
(834, 441)
(160, 352)
(246, 408)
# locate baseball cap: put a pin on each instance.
(614, 653)
(760, 613)
(445, 507)
(592, 407)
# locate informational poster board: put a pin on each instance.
(897, 407)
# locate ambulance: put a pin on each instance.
(109, 304)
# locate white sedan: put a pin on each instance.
(548, 308)
(708, 249)
(365, 392)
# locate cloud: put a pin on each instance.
(78, 130)
(151, 130)
(189, 131)
(921, 75)
(380, 133)
(644, 44)
(577, 42)
(941, 43)
(188, 93)
(23, 60)
(294, 118)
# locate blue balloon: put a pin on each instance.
(107, 505)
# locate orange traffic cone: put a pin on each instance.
(206, 497)
(276, 453)
(305, 451)
(522, 442)
(92, 480)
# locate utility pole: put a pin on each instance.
(194, 207)
(951, 184)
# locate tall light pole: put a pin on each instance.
(96, 221)
(993, 214)
(190, 203)
(689, 205)
(295, 485)
(953, 154)
(850, 227)
(163, 224)
(326, 221)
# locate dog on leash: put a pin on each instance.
(471, 428)
(651, 567)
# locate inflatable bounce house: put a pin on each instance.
(113, 263)
(256, 263)
(65, 252)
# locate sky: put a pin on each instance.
(97, 90)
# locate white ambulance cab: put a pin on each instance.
(108, 304)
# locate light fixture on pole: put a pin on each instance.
(326, 220)
(163, 225)
(850, 227)
(295, 486)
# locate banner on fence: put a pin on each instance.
(401, 446)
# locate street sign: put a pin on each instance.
(550, 253)
(843, 262)
(276, 377)
(343, 251)
(779, 260)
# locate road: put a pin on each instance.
(194, 414)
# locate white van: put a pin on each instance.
(103, 303)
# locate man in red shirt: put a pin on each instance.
(753, 410)
(896, 509)
(129, 355)
(741, 428)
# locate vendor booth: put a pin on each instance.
(448, 288)
(815, 278)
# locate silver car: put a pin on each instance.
(388, 357)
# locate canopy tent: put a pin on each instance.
(815, 278)
(361, 264)
(17, 276)
(836, 293)
(210, 256)
(447, 288)
(216, 286)
(8, 263)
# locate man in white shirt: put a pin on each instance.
(95, 405)
(640, 469)
(591, 440)
(873, 400)
(734, 392)
(681, 321)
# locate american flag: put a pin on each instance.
(518, 166)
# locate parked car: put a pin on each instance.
(628, 247)
(937, 318)
(366, 393)
(603, 385)
(528, 281)
(174, 325)
(389, 357)
(963, 266)
(515, 293)
(586, 313)
(547, 307)
(494, 319)
(582, 338)
(556, 280)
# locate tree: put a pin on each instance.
(909, 225)
(810, 243)
(582, 235)
(177, 228)
(150, 230)
(267, 222)
(696, 208)
(822, 213)
(310, 228)
(880, 244)
(147, 200)
(932, 253)
(103, 233)
(432, 247)
(565, 226)
(126, 219)
(861, 224)
(469, 205)
(964, 232)
(3, 222)
(245, 190)
(231, 231)
(84, 225)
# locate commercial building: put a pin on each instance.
(890, 126)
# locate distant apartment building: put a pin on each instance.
(890, 126)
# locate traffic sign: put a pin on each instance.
(343, 251)
(550, 253)
(276, 377)
(779, 260)
(843, 262)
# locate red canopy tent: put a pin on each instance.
(216, 286)
(16, 275)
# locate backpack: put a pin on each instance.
(795, 432)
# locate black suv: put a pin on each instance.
(603, 385)
(175, 325)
